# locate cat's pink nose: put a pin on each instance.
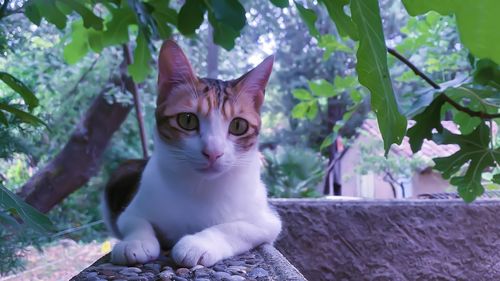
(212, 155)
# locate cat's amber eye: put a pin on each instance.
(187, 121)
(238, 126)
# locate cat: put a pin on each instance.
(200, 193)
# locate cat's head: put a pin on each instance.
(208, 125)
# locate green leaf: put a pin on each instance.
(426, 122)
(22, 115)
(280, 3)
(312, 110)
(28, 214)
(487, 72)
(345, 83)
(190, 16)
(465, 122)
(15, 84)
(32, 13)
(229, 12)
(140, 69)
(301, 94)
(322, 88)
(3, 119)
(117, 29)
(327, 141)
(79, 46)
(89, 18)
(49, 10)
(224, 35)
(477, 22)
(474, 151)
(343, 22)
(331, 45)
(299, 110)
(163, 16)
(373, 72)
(496, 179)
(309, 17)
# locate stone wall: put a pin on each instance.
(391, 240)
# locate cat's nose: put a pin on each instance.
(212, 155)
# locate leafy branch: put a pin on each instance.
(456, 105)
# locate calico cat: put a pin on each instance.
(200, 192)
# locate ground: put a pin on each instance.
(59, 261)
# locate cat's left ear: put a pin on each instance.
(254, 82)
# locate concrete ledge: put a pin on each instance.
(261, 264)
(391, 240)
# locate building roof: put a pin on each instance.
(429, 148)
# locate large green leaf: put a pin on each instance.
(309, 17)
(15, 84)
(163, 16)
(426, 122)
(190, 16)
(22, 115)
(38, 9)
(373, 72)
(79, 45)
(229, 12)
(474, 155)
(477, 22)
(89, 18)
(224, 35)
(343, 22)
(28, 214)
(117, 29)
(280, 3)
(140, 69)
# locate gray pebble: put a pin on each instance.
(91, 274)
(221, 275)
(196, 267)
(95, 278)
(128, 273)
(258, 272)
(153, 266)
(166, 274)
(203, 273)
(201, 279)
(178, 278)
(237, 278)
(137, 278)
(183, 272)
(235, 269)
(235, 262)
(219, 267)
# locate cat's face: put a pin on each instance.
(208, 125)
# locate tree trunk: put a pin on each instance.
(80, 158)
(212, 55)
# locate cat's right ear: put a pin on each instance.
(173, 68)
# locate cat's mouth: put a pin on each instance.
(210, 169)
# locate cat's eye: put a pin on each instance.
(187, 121)
(238, 126)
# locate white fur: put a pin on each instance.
(205, 216)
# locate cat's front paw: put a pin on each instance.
(134, 252)
(192, 250)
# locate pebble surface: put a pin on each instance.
(249, 266)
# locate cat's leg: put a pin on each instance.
(139, 244)
(225, 240)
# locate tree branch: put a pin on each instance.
(137, 104)
(456, 105)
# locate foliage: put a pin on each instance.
(292, 172)
(398, 167)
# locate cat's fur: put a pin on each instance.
(200, 191)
